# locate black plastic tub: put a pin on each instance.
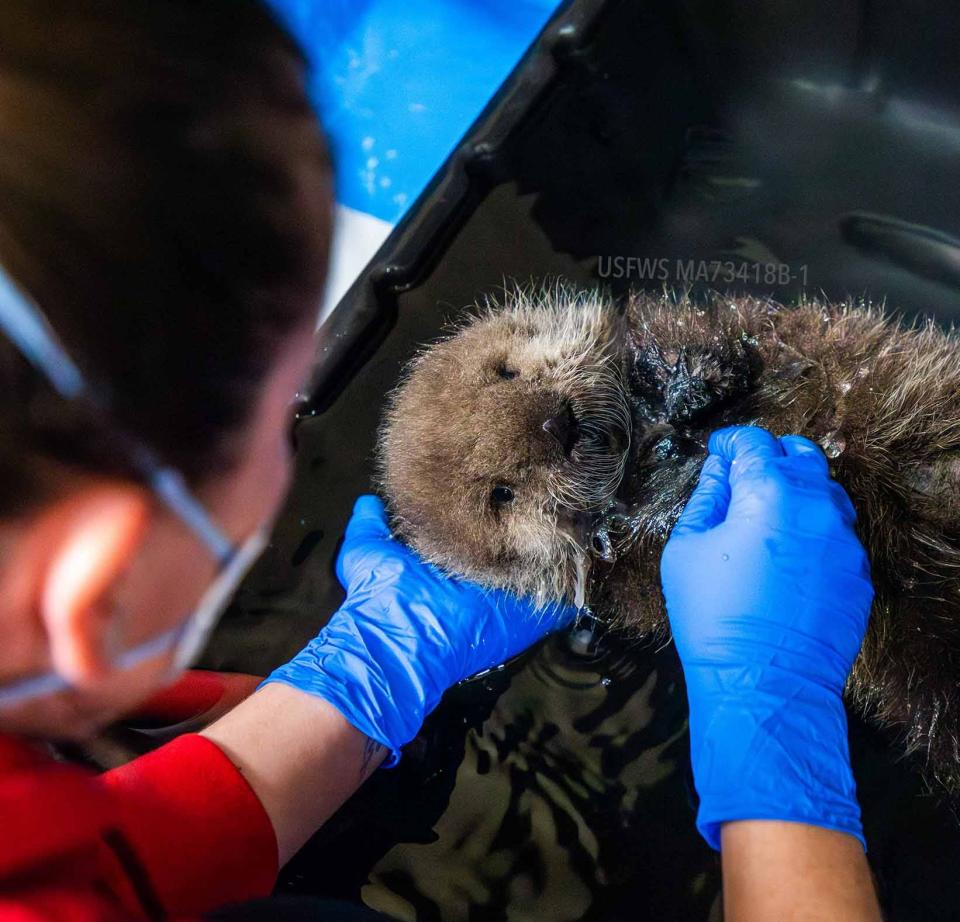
(768, 147)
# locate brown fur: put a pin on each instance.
(883, 401)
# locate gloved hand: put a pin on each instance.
(768, 592)
(405, 634)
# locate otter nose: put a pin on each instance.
(563, 428)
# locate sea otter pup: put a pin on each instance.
(549, 444)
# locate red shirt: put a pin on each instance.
(175, 833)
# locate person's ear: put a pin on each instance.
(95, 537)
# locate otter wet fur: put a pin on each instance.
(549, 444)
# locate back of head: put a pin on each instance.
(165, 198)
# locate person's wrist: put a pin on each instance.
(367, 673)
(774, 748)
(342, 694)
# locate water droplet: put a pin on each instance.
(845, 387)
(724, 556)
(606, 680)
(581, 642)
(833, 445)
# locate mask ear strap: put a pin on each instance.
(216, 599)
(169, 486)
(28, 689)
(30, 331)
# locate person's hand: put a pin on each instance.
(768, 593)
(406, 633)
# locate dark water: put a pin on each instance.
(555, 789)
(823, 138)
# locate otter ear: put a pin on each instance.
(93, 537)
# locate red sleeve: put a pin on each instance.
(197, 829)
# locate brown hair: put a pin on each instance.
(165, 198)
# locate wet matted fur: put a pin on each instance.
(582, 506)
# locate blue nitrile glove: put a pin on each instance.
(768, 592)
(405, 634)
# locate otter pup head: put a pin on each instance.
(505, 441)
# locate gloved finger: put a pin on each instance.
(368, 523)
(796, 446)
(517, 624)
(750, 451)
(843, 503)
(740, 445)
(707, 506)
(553, 616)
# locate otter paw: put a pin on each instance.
(680, 386)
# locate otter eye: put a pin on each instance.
(508, 374)
(501, 495)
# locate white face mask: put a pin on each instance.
(25, 325)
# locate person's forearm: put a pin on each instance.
(793, 872)
(299, 754)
